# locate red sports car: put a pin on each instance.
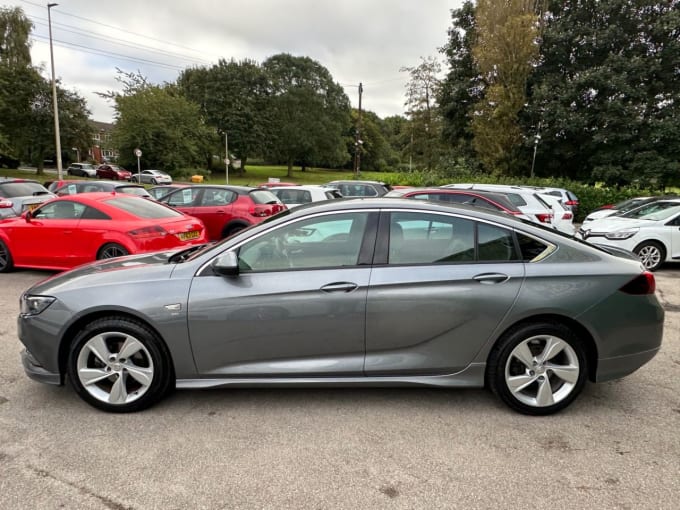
(225, 209)
(72, 230)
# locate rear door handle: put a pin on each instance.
(340, 287)
(491, 278)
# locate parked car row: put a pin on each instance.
(116, 173)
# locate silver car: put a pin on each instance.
(152, 177)
(369, 292)
(20, 195)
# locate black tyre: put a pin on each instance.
(6, 263)
(231, 230)
(111, 251)
(538, 368)
(652, 254)
(118, 365)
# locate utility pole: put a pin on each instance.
(537, 138)
(357, 141)
(57, 137)
(226, 156)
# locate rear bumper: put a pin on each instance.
(37, 372)
(621, 366)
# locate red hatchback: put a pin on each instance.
(72, 230)
(225, 209)
(113, 172)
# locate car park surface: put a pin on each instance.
(225, 210)
(251, 310)
(383, 448)
(76, 229)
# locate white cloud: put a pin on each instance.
(357, 41)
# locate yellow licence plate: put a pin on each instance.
(187, 236)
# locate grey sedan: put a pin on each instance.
(350, 292)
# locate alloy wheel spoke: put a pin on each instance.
(517, 383)
(553, 346)
(90, 376)
(129, 348)
(143, 376)
(523, 353)
(118, 393)
(99, 348)
(568, 373)
(544, 397)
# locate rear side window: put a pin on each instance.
(516, 199)
(21, 189)
(143, 208)
(533, 250)
(263, 196)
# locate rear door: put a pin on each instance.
(437, 292)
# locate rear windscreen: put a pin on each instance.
(263, 196)
(143, 208)
(21, 189)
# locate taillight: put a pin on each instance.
(261, 211)
(5, 204)
(571, 202)
(544, 217)
(640, 285)
(567, 216)
(145, 232)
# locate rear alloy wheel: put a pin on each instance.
(118, 365)
(111, 251)
(538, 368)
(651, 253)
(6, 263)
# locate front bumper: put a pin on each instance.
(37, 372)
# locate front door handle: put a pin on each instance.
(340, 287)
(491, 278)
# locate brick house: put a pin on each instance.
(101, 149)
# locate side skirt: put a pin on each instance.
(470, 377)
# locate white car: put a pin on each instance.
(152, 177)
(620, 208)
(563, 217)
(652, 232)
(294, 196)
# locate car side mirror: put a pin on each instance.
(226, 264)
(28, 216)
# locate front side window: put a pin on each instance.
(63, 210)
(326, 241)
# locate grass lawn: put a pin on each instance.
(254, 175)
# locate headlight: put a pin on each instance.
(622, 234)
(33, 305)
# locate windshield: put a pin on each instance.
(656, 211)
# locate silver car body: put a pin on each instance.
(385, 319)
(151, 177)
(21, 195)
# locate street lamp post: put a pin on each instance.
(77, 153)
(57, 140)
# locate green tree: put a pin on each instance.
(462, 88)
(422, 91)
(233, 98)
(15, 28)
(310, 113)
(376, 153)
(607, 93)
(506, 51)
(167, 127)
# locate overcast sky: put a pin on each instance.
(364, 41)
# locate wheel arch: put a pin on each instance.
(234, 223)
(73, 329)
(654, 240)
(578, 328)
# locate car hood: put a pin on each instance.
(598, 215)
(133, 268)
(611, 224)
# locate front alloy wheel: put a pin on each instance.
(538, 368)
(117, 364)
(651, 255)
